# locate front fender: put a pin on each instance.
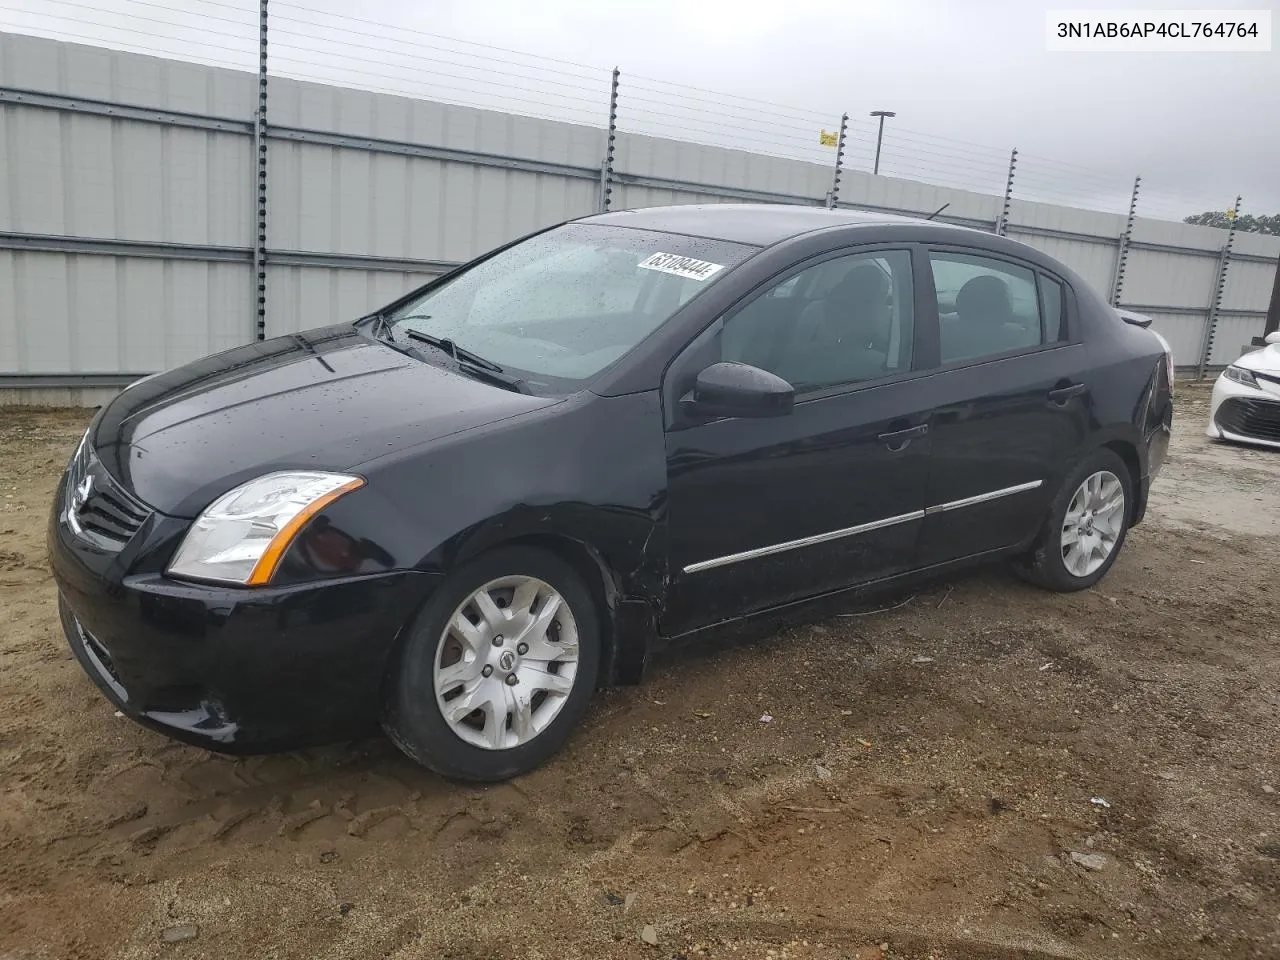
(586, 477)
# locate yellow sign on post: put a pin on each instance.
(829, 139)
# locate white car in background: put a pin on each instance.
(1246, 398)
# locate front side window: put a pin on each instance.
(985, 306)
(561, 306)
(841, 321)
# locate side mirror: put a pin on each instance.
(728, 389)
(1273, 336)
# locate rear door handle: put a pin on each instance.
(897, 440)
(1063, 394)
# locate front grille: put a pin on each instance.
(98, 508)
(112, 517)
(1247, 417)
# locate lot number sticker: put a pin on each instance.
(681, 266)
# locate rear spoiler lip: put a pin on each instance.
(1137, 319)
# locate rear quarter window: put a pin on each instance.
(1051, 300)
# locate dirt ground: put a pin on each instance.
(925, 787)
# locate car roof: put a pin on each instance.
(759, 224)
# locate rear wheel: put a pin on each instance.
(1086, 527)
(497, 668)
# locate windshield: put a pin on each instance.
(561, 306)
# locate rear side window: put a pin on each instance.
(987, 307)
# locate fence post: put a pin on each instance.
(606, 166)
(1003, 223)
(834, 196)
(1122, 255)
(1220, 284)
(260, 176)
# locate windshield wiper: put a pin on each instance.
(451, 348)
(490, 375)
(470, 363)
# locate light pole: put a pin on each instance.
(880, 136)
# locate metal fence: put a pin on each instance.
(154, 210)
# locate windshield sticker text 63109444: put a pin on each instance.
(681, 266)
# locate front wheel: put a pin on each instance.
(497, 668)
(1086, 526)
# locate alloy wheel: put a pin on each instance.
(1093, 523)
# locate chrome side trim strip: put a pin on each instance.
(860, 528)
(982, 497)
(805, 542)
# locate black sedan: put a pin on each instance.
(459, 515)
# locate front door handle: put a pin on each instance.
(897, 440)
(1061, 395)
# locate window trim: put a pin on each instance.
(931, 305)
(1042, 275)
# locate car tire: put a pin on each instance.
(444, 665)
(1054, 560)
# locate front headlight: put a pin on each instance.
(242, 535)
(1240, 375)
(80, 447)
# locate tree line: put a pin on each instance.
(1247, 223)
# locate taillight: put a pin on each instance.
(1168, 358)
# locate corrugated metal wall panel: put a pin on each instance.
(630, 198)
(74, 313)
(118, 179)
(1258, 245)
(1189, 235)
(315, 106)
(1068, 219)
(41, 312)
(36, 63)
(1232, 337)
(14, 317)
(1169, 279)
(719, 166)
(307, 297)
(56, 396)
(344, 200)
(74, 69)
(858, 188)
(1184, 333)
(1248, 285)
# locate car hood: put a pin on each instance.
(328, 399)
(1266, 360)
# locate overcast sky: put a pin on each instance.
(968, 79)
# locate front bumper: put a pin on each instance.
(232, 670)
(1245, 414)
